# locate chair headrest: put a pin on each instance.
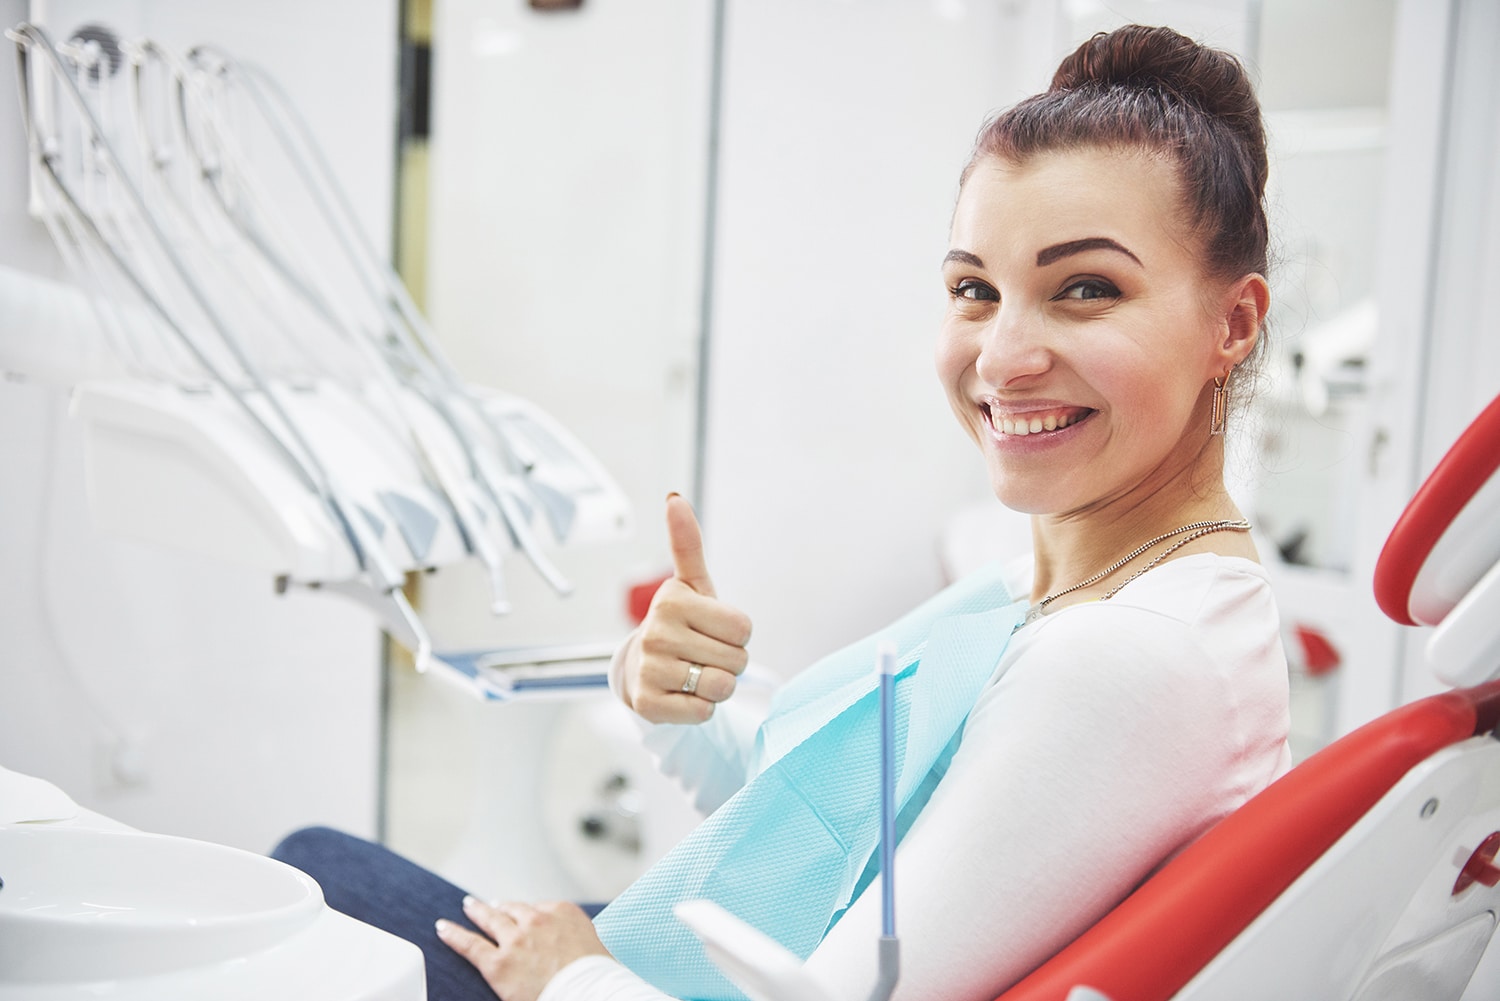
(1449, 535)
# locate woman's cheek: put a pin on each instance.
(951, 358)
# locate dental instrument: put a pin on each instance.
(406, 333)
(414, 520)
(123, 332)
(260, 403)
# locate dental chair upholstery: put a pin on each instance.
(1369, 871)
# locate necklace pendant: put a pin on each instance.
(1032, 614)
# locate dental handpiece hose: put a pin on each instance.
(890, 950)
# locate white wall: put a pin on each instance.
(1464, 367)
(1461, 374)
(242, 714)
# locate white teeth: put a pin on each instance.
(1020, 427)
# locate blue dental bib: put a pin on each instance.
(790, 851)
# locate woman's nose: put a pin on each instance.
(1013, 348)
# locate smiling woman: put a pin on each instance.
(1068, 723)
(1085, 366)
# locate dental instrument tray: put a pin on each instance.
(510, 672)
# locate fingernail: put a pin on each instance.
(674, 493)
(469, 902)
(442, 927)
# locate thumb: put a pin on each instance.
(686, 540)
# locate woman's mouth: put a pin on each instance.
(1040, 421)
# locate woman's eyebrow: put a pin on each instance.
(1058, 251)
(963, 257)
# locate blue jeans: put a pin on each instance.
(380, 888)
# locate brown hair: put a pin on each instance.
(1158, 91)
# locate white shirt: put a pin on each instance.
(1111, 735)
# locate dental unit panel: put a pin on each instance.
(181, 470)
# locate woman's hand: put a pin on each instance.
(526, 947)
(690, 649)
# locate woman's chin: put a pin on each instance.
(1023, 501)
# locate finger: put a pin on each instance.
(681, 707)
(517, 912)
(686, 540)
(470, 945)
(714, 685)
(671, 647)
(677, 603)
(673, 707)
(492, 920)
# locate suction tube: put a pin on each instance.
(890, 945)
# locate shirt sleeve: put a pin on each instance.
(709, 760)
(1098, 754)
(598, 978)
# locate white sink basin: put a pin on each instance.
(90, 905)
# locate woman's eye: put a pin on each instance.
(974, 290)
(1089, 289)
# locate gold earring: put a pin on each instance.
(1220, 411)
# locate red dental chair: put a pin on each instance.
(1369, 871)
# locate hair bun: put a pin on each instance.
(1145, 58)
(1153, 90)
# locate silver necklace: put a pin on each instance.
(1196, 530)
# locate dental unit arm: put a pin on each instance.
(270, 416)
(208, 447)
(498, 461)
(435, 469)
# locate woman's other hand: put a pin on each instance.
(526, 945)
(690, 649)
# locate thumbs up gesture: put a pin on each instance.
(690, 649)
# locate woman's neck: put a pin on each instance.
(1072, 547)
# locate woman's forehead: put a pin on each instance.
(1067, 195)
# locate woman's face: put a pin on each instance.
(1081, 337)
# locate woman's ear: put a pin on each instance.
(1244, 312)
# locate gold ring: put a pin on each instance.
(695, 671)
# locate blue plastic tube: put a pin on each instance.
(886, 660)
